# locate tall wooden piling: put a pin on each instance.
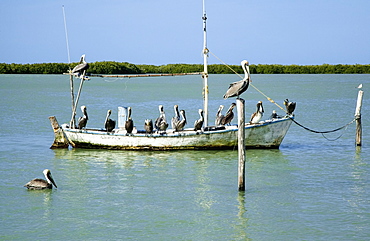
(241, 144)
(358, 118)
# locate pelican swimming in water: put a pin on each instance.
(82, 121)
(229, 115)
(38, 184)
(161, 122)
(237, 88)
(290, 106)
(181, 124)
(176, 118)
(109, 124)
(81, 67)
(148, 126)
(219, 116)
(129, 124)
(199, 123)
(256, 116)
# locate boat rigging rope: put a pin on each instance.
(272, 101)
(268, 98)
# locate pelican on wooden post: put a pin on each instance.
(38, 184)
(237, 88)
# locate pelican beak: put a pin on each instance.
(52, 180)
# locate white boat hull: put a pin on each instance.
(267, 134)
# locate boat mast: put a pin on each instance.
(205, 60)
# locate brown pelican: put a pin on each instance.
(148, 126)
(219, 116)
(290, 106)
(37, 184)
(181, 124)
(81, 67)
(237, 88)
(229, 115)
(161, 122)
(176, 118)
(83, 120)
(256, 116)
(199, 123)
(109, 123)
(129, 124)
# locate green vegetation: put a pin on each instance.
(111, 67)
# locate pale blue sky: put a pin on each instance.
(169, 31)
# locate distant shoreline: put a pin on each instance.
(111, 67)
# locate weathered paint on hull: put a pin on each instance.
(264, 135)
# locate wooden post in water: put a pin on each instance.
(358, 118)
(241, 144)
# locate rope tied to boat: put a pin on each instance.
(268, 98)
(325, 132)
(272, 101)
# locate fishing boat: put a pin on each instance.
(263, 134)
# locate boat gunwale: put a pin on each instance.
(169, 134)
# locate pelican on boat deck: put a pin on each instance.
(82, 121)
(256, 116)
(229, 116)
(129, 124)
(290, 106)
(38, 184)
(176, 118)
(181, 124)
(81, 67)
(219, 116)
(199, 123)
(109, 123)
(161, 122)
(237, 88)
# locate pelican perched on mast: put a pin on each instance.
(79, 69)
(237, 88)
(38, 184)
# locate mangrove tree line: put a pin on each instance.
(111, 67)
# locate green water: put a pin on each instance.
(309, 189)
